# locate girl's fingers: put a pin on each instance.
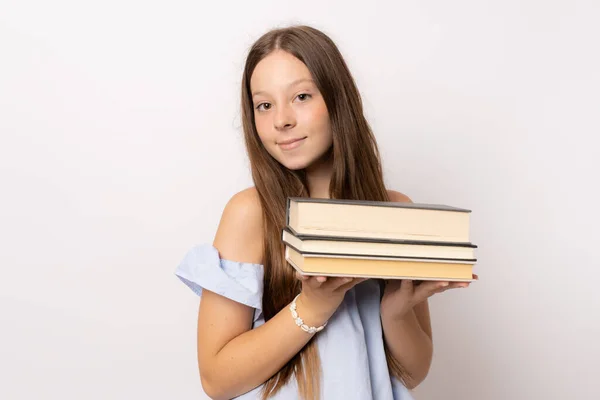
(432, 287)
(301, 277)
(428, 289)
(393, 285)
(315, 281)
(344, 284)
(456, 285)
(407, 286)
(438, 287)
(338, 282)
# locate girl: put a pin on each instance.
(306, 135)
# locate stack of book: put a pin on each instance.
(374, 239)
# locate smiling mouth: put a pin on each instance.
(291, 144)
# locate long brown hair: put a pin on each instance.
(357, 174)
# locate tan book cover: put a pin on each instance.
(385, 268)
(377, 219)
(379, 247)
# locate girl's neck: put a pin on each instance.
(318, 177)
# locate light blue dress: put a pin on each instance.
(350, 347)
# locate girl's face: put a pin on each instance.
(291, 117)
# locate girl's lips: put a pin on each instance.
(291, 144)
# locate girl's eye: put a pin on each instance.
(262, 104)
(302, 96)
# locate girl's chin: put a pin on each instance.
(294, 165)
(298, 163)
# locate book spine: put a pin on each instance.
(310, 237)
(376, 256)
(288, 202)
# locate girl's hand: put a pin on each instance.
(401, 295)
(321, 296)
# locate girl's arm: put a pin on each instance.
(233, 358)
(406, 320)
(409, 340)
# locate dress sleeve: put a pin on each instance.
(202, 268)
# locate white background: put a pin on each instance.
(121, 143)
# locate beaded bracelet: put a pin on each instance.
(300, 323)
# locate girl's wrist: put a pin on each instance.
(393, 313)
(312, 314)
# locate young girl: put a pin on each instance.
(306, 136)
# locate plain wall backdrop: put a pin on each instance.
(121, 143)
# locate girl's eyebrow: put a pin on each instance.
(297, 81)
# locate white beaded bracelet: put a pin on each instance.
(300, 323)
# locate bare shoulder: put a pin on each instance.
(240, 235)
(398, 197)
